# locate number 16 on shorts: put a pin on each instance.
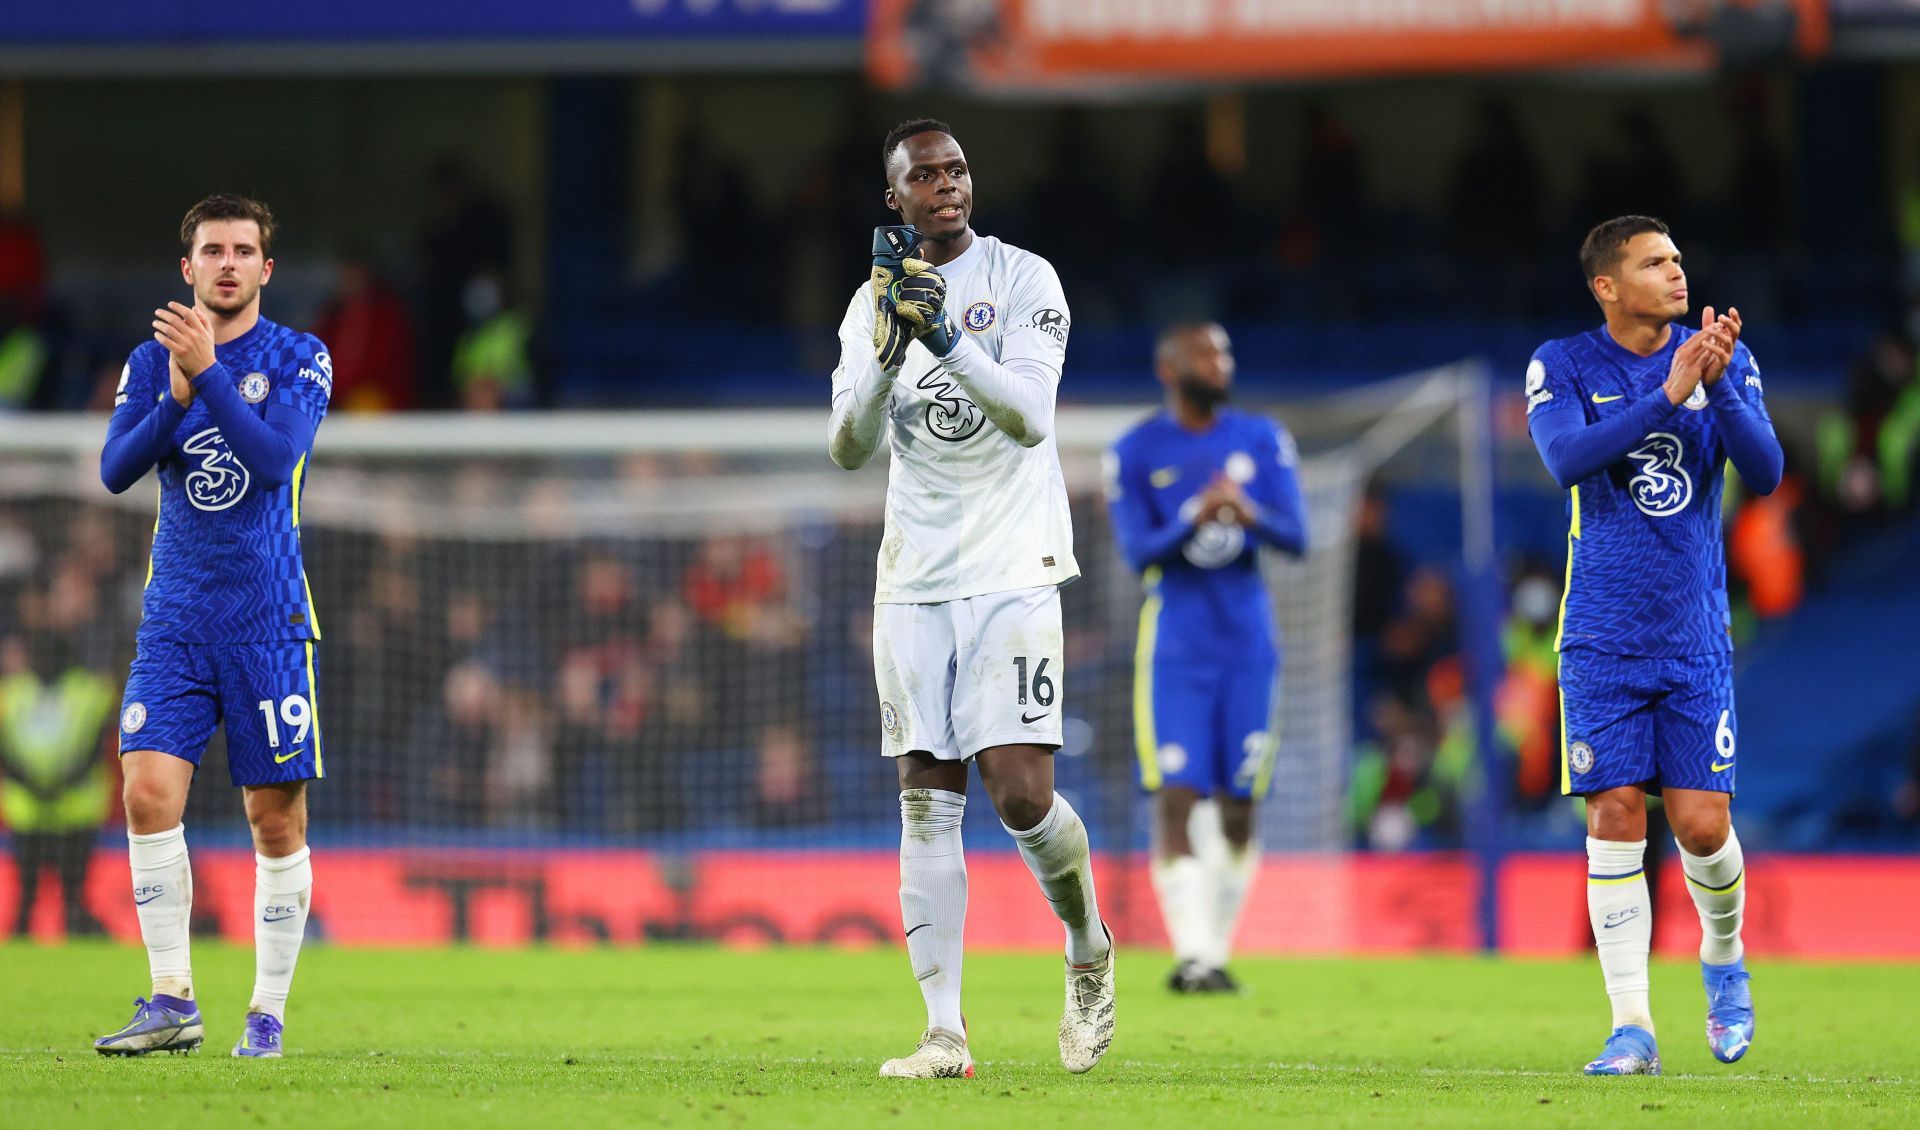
(1034, 697)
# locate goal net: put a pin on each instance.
(608, 676)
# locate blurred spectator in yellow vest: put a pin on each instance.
(53, 720)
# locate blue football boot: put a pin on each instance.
(163, 1024)
(1729, 1009)
(1629, 1051)
(261, 1040)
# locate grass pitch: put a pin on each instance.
(696, 1036)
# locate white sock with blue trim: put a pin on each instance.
(282, 893)
(1718, 884)
(1620, 906)
(163, 900)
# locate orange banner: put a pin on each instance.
(1041, 43)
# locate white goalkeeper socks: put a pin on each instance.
(1718, 884)
(1233, 876)
(1057, 853)
(1620, 907)
(282, 892)
(1184, 887)
(933, 898)
(163, 898)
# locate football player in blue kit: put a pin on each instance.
(1638, 419)
(223, 404)
(1194, 492)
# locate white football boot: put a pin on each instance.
(1086, 1028)
(941, 1055)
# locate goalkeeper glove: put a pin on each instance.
(891, 335)
(920, 298)
(892, 245)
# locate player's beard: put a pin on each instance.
(1204, 396)
(243, 296)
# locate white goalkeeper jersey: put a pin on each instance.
(969, 509)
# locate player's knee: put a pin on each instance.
(1702, 835)
(150, 804)
(1615, 818)
(1022, 809)
(278, 835)
(1172, 808)
(1236, 822)
(277, 831)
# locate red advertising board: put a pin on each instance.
(1801, 906)
(1040, 43)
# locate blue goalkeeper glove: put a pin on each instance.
(920, 300)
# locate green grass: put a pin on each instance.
(552, 1039)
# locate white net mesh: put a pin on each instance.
(634, 652)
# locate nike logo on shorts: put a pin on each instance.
(1598, 399)
(1030, 721)
(280, 759)
(1719, 768)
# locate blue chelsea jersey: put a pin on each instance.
(1208, 584)
(226, 565)
(1646, 567)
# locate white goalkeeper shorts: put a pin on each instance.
(966, 675)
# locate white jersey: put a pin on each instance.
(969, 510)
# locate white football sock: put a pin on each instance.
(1232, 876)
(1056, 852)
(282, 892)
(1185, 890)
(163, 898)
(933, 898)
(1718, 884)
(1621, 909)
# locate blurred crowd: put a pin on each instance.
(457, 335)
(454, 317)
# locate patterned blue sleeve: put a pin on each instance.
(271, 445)
(1144, 540)
(1746, 432)
(306, 384)
(1552, 383)
(144, 419)
(1281, 520)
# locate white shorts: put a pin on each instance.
(970, 674)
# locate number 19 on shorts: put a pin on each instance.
(294, 711)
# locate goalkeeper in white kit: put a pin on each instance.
(957, 341)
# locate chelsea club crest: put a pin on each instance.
(1580, 757)
(979, 316)
(253, 388)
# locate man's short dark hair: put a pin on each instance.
(1174, 335)
(903, 131)
(225, 206)
(1600, 252)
